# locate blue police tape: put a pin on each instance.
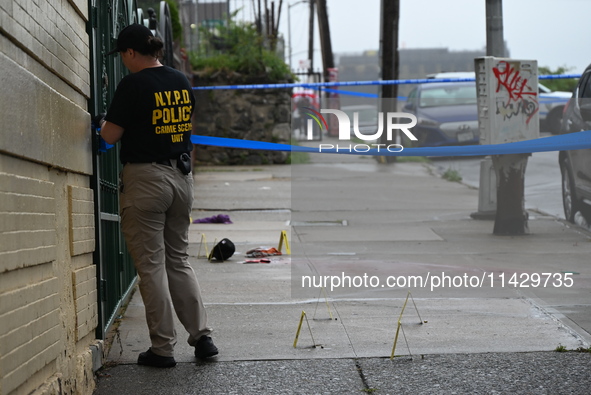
(571, 141)
(351, 93)
(358, 83)
(544, 97)
(558, 76)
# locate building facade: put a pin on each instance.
(64, 268)
(48, 292)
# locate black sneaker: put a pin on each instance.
(205, 348)
(148, 358)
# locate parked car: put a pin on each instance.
(575, 165)
(367, 117)
(551, 108)
(551, 102)
(446, 112)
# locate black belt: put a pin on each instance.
(183, 163)
(165, 162)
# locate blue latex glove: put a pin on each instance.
(103, 145)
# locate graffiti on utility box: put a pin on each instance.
(520, 98)
(508, 106)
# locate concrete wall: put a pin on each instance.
(246, 114)
(48, 296)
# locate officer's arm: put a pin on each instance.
(111, 132)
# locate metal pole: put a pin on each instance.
(325, 42)
(495, 43)
(495, 46)
(311, 38)
(289, 29)
(509, 170)
(259, 20)
(289, 34)
(389, 22)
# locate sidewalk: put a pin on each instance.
(347, 216)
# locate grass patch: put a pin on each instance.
(452, 175)
(561, 348)
(297, 158)
(413, 159)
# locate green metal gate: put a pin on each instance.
(115, 271)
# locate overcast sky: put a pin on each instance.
(553, 32)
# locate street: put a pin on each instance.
(542, 179)
(363, 236)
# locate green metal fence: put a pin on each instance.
(115, 272)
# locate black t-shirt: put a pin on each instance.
(154, 106)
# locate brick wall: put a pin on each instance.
(48, 297)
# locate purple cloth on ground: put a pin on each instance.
(216, 219)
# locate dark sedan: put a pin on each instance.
(446, 112)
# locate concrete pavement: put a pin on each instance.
(350, 220)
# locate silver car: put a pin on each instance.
(575, 165)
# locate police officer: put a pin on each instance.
(151, 115)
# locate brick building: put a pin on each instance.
(48, 292)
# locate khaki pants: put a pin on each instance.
(156, 202)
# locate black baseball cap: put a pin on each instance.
(222, 250)
(134, 36)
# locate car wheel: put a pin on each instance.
(569, 198)
(553, 120)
